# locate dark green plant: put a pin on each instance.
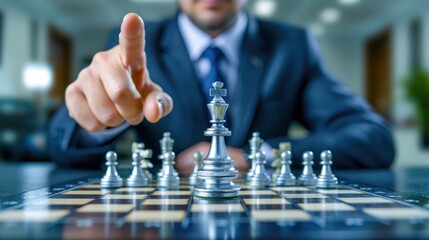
(417, 91)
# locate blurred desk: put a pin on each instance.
(18, 178)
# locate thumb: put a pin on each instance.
(132, 42)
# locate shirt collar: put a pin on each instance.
(196, 40)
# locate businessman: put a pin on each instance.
(274, 76)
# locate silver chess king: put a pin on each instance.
(217, 170)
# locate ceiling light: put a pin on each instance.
(348, 2)
(264, 8)
(38, 76)
(329, 15)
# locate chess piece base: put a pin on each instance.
(259, 181)
(111, 183)
(170, 182)
(290, 181)
(330, 182)
(137, 182)
(308, 180)
(221, 189)
(193, 180)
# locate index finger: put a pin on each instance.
(132, 42)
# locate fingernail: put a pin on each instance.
(161, 104)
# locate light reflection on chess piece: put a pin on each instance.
(111, 179)
(137, 177)
(168, 178)
(326, 178)
(260, 178)
(146, 155)
(307, 178)
(166, 144)
(285, 177)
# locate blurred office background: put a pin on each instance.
(371, 46)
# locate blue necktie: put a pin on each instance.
(214, 55)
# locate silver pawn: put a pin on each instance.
(277, 163)
(193, 178)
(260, 178)
(168, 179)
(111, 179)
(137, 177)
(147, 154)
(255, 144)
(326, 178)
(166, 144)
(285, 177)
(307, 178)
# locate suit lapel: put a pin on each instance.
(252, 58)
(181, 74)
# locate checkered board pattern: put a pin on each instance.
(88, 206)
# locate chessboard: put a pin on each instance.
(81, 209)
(212, 203)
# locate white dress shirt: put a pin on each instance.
(196, 41)
(229, 42)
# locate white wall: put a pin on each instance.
(401, 62)
(18, 44)
(343, 56)
(400, 49)
(409, 151)
(425, 40)
(16, 50)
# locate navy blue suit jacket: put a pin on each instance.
(281, 80)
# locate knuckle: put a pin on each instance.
(100, 58)
(71, 94)
(110, 119)
(70, 91)
(135, 118)
(84, 74)
(131, 45)
(120, 94)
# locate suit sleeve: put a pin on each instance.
(72, 146)
(338, 120)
